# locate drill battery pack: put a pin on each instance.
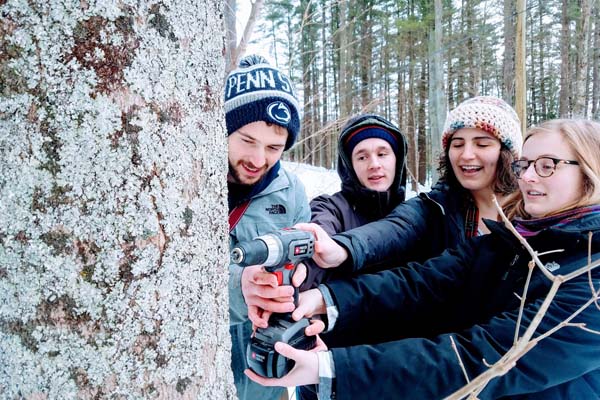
(261, 355)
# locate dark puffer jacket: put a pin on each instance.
(469, 294)
(355, 205)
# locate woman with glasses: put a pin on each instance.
(472, 296)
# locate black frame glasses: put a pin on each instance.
(543, 166)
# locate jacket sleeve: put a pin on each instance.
(404, 227)
(327, 216)
(400, 295)
(238, 310)
(429, 368)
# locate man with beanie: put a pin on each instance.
(261, 113)
(372, 169)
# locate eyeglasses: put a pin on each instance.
(544, 166)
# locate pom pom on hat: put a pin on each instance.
(490, 114)
(257, 91)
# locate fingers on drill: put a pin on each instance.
(299, 275)
(315, 327)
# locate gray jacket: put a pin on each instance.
(282, 204)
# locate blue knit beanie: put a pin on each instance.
(367, 132)
(256, 91)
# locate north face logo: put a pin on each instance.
(276, 209)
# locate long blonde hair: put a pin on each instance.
(584, 138)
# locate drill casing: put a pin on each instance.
(279, 252)
(261, 355)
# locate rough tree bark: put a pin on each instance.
(581, 60)
(564, 100)
(437, 100)
(113, 242)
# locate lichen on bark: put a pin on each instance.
(112, 159)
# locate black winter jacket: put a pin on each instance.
(416, 230)
(470, 293)
(355, 205)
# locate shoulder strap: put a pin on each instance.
(236, 214)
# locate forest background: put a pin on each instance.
(387, 57)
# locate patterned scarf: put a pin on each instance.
(531, 227)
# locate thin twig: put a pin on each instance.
(462, 366)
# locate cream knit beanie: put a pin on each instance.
(490, 114)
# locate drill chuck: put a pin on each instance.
(265, 250)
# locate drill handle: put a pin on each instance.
(284, 277)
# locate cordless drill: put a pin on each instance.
(280, 253)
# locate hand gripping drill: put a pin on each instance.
(279, 252)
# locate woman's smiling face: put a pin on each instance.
(474, 156)
(545, 196)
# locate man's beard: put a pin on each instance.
(235, 176)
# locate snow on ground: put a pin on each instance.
(316, 180)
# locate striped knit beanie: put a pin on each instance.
(256, 91)
(490, 114)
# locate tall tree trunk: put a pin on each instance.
(533, 111)
(307, 82)
(114, 273)
(581, 67)
(422, 131)
(564, 105)
(366, 53)
(509, 51)
(520, 64)
(437, 99)
(596, 64)
(345, 93)
(230, 35)
(235, 54)
(451, 91)
(327, 137)
(542, 61)
(411, 129)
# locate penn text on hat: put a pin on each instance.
(490, 114)
(257, 91)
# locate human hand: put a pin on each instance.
(305, 371)
(328, 254)
(263, 295)
(310, 302)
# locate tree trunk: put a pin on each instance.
(230, 35)
(345, 88)
(114, 237)
(581, 70)
(509, 51)
(520, 67)
(236, 53)
(542, 61)
(564, 106)
(422, 131)
(596, 64)
(365, 24)
(437, 99)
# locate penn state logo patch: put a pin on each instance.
(279, 112)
